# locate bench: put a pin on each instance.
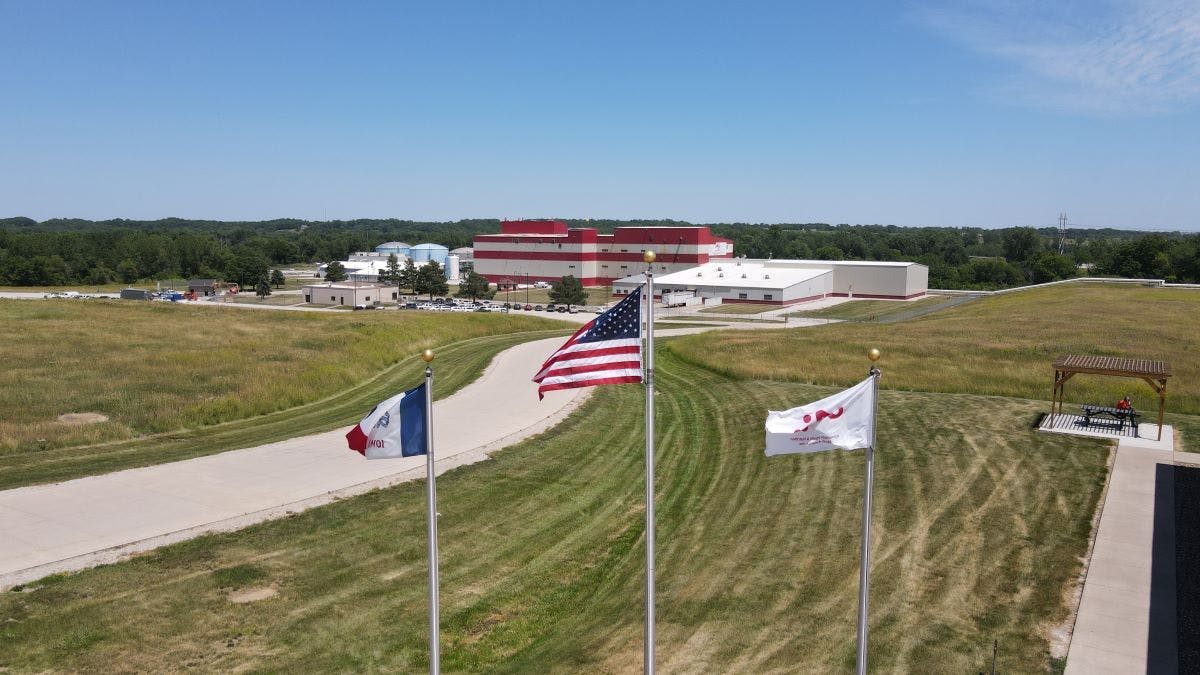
(1118, 417)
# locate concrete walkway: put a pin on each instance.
(1126, 618)
(98, 519)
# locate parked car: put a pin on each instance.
(528, 308)
(538, 308)
(561, 309)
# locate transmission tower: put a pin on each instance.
(1062, 231)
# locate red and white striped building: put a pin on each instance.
(526, 251)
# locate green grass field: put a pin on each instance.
(153, 368)
(1002, 345)
(600, 295)
(980, 526)
(885, 311)
(736, 308)
(251, 299)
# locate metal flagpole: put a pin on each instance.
(648, 658)
(864, 574)
(435, 665)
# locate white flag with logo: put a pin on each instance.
(843, 421)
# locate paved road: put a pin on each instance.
(98, 519)
(89, 521)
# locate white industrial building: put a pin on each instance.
(366, 266)
(787, 282)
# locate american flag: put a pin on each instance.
(607, 350)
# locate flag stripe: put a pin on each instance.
(595, 368)
(606, 350)
(589, 377)
(577, 384)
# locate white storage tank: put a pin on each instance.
(452, 272)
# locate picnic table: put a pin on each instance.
(1109, 416)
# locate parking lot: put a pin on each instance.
(459, 305)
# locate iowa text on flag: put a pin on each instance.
(607, 350)
(844, 420)
(395, 428)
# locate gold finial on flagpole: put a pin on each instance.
(648, 257)
(427, 355)
(873, 354)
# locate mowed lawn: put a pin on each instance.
(598, 295)
(980, 527)
(152, 368)
(1001, 345)
(884, 310)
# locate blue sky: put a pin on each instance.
(922, 113)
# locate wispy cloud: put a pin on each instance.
(1112, 58)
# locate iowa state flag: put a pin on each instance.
(395, 428)
(844, 421)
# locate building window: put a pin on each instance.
(741, 296)
(768, 296)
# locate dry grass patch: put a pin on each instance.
(149, 367)
(1002, 345)
(884, 310)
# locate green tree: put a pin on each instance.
(829, 252)
(408, 276)
(568, 291)
(391, 273)
(1050, 266)
(431, 280)
(476, 287)
(263, 288)
(335, 271)
(277, 278)
(127, 270)
(246, 267)
(1021, 243)
(100, 274)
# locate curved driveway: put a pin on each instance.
(100, 519)
(97, 519)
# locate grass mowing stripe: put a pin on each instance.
(458, 364)
(542, 556)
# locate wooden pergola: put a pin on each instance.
(1155, 374)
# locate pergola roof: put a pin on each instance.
(1155, 374)
(1113, 365)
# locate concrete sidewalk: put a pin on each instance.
(98, 519)
(1126, 618)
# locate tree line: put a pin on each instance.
(66, 251)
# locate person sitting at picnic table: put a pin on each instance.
(1124, 404)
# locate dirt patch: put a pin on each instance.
(246, 595)
(81, 418)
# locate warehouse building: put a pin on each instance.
(528, 251)
(349, 295)
(787, 282)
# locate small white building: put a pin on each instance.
(787, 282)
(349, 295)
